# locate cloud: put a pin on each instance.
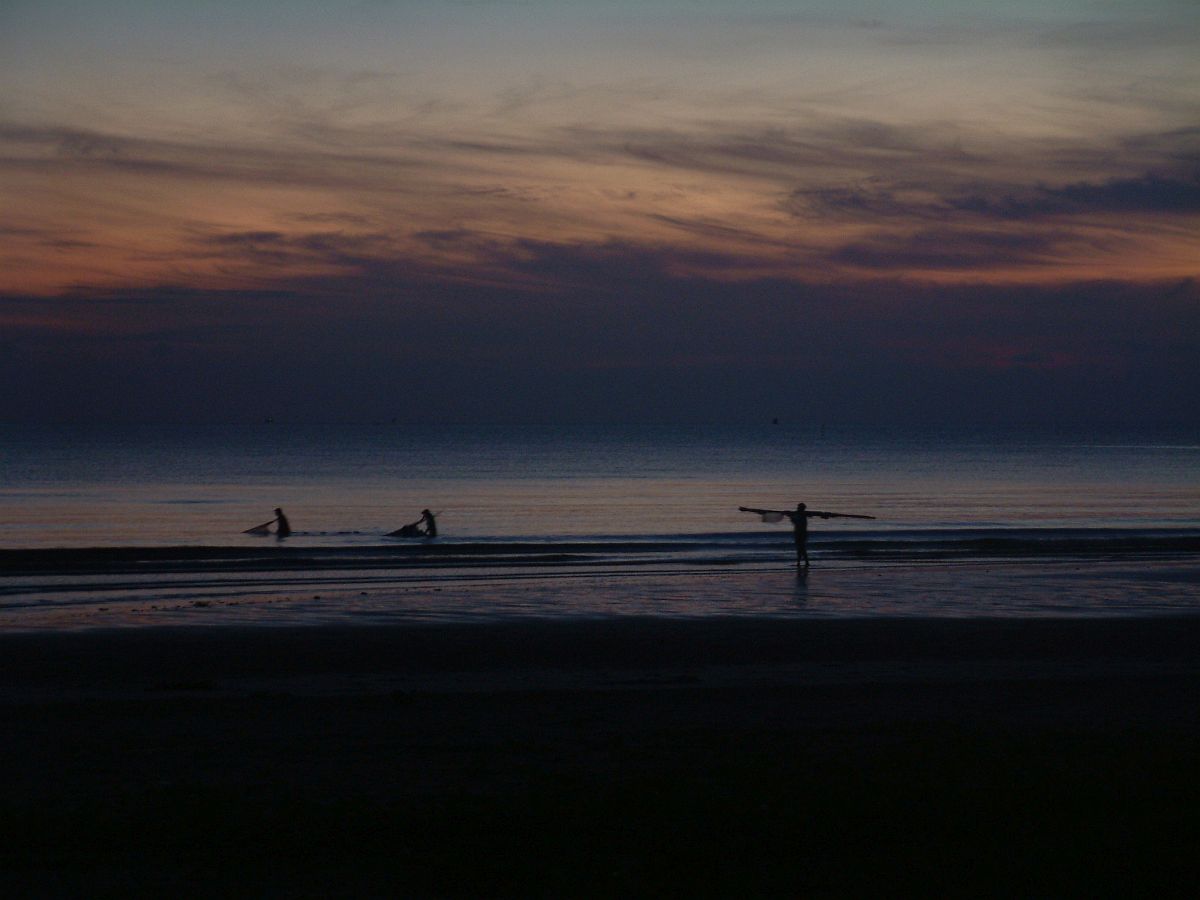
(1150, 193)
(328, 247)
(743, 236)
(61, 149)
(352, 220)
(810, 149)
(714, 194)
(1171, 30)
(952, 249)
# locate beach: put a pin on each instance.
(601, 679)
(630, 756)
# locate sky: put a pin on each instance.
(694, 211)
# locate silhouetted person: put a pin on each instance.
(430, 523)
(282, 528)
(426, 526)
(799, 518)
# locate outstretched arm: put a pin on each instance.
(762, 512)
(832, 515)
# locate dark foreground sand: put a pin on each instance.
(611, 759)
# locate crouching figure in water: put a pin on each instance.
(282, 527)
(425, 527)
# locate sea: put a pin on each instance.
(120, 526)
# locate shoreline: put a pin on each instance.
(333, 552)
(1048, 587)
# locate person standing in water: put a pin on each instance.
(799, 519)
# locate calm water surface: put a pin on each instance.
(553, 522)
(349, 485)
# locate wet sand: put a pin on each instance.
(628, 757)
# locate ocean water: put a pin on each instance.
(175, 486)
(151, 519)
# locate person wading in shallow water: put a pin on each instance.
(799, 518)
(430, 523)
(282, 528)
(426, 527)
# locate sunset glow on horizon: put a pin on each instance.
(171, 172)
